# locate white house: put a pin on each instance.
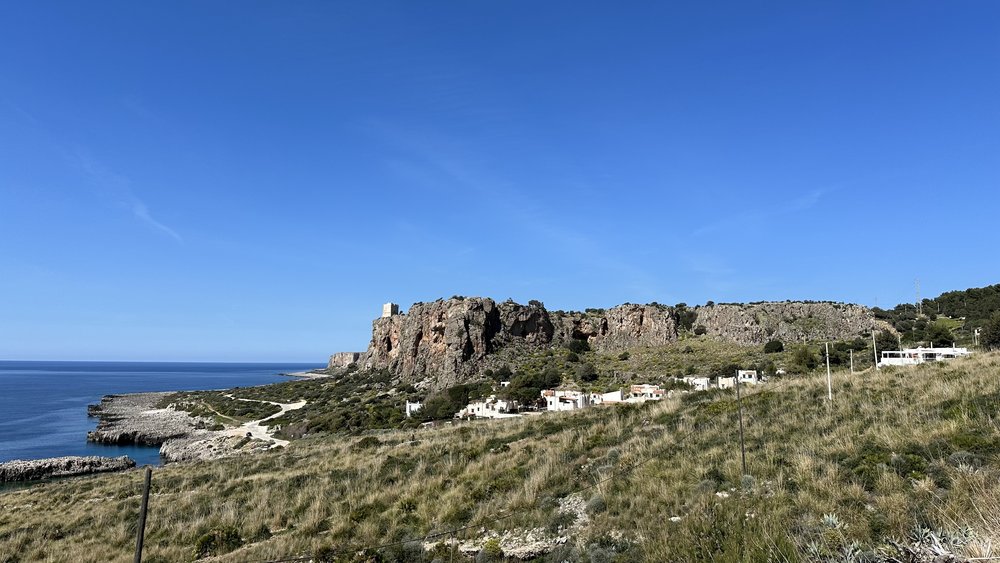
(412, 408)
(612, 397)
(491, 407)
(748, 377)
(914, 356)
(645, 392)
(697, 383)
(565, 400)
(726, 382)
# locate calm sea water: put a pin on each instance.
(43, 405)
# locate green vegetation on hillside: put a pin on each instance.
(905, 456)
(950, 317)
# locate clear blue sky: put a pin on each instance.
(252, 180)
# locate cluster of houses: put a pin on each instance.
(557, 400)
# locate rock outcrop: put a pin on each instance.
(792, 321)
(445, 342)
(134, 419)
(33, 470)
(342, 360)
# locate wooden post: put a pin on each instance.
(141, 532)
(739, 402)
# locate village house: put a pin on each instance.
(491, 407)
(612, 397)
(726, 382)
(645, 392)
(697, 383)
(411, 408)
(565, 400)
(748, 377)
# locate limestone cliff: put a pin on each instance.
(790, 321)
(445, 342)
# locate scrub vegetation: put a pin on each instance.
(908, 456)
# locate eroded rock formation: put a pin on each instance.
(444, 342)
(33, 470)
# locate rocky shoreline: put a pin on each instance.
(135, 419)
(34, 470)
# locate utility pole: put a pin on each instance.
(739, 402)
(829, 381)
(141, 532)
(874, 348)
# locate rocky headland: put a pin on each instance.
(33, 470)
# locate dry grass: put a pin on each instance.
(896, 450)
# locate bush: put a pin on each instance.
(700, 330)
(578, 346)
(217, 542)
(990, 335)
(774, 346)
(596, 504)
(586, 372)
(623, 356)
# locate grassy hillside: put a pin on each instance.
(900, 455)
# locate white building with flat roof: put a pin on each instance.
(389, 309)
(916, 356)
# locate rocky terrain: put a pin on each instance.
(135, 419)
(17, 470)
(445, 342)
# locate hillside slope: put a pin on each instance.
(904, 456)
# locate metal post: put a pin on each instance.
(739, 402)
(829, 382)
(141, 533)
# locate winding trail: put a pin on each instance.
(255, 429)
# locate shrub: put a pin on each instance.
(217, 542)
(586, 372)
(773, 347)
(623, 356)
(700, 330)
(578, 346)
(596, 504)
(990, 335)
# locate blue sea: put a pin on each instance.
(43, 405)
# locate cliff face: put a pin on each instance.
(622, 327)
(447, 341)
(758, 323)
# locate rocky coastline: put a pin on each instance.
(34, 470)
(135, 419)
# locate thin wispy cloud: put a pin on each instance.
(118, 189)
(804, 202)
(440, 164)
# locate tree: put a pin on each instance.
(700, 330)
(586, 372)
(886, 340)
(773, 347)
(990, 335)
(804, 359)
(940, 335)
(578, 346)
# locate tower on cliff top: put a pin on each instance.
(390, 309)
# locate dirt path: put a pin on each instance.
(257, 430)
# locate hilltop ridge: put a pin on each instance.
(447, 341)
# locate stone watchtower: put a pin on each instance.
(389, 309)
